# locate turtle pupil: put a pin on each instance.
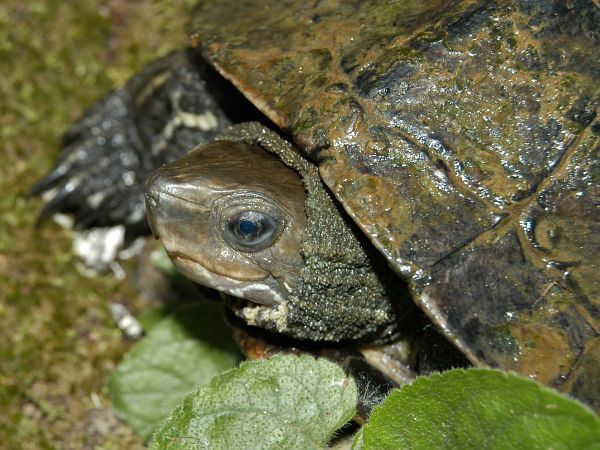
(247, 227)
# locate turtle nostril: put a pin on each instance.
(152, 207)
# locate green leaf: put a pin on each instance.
(479, 408)
(286, 402)
(152, 317)
(179, 353)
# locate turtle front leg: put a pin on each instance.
(172, 105)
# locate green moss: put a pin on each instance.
(58, 342)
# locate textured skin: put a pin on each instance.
(345, 289)
(463, 139)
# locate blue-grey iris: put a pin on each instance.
(251, 230)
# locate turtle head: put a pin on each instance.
(231, 217)
(248, 215)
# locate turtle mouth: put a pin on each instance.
(254, 293)
(240, 306)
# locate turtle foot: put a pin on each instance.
(172, 105)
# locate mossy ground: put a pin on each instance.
(57, 341)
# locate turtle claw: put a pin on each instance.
(91, 165)
(48, 182)
(56, 204)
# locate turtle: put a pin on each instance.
(445, 148)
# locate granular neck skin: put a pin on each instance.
(345, 290)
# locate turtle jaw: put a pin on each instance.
(265, 292)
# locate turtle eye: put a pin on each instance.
(251, 231)
(248, 221)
